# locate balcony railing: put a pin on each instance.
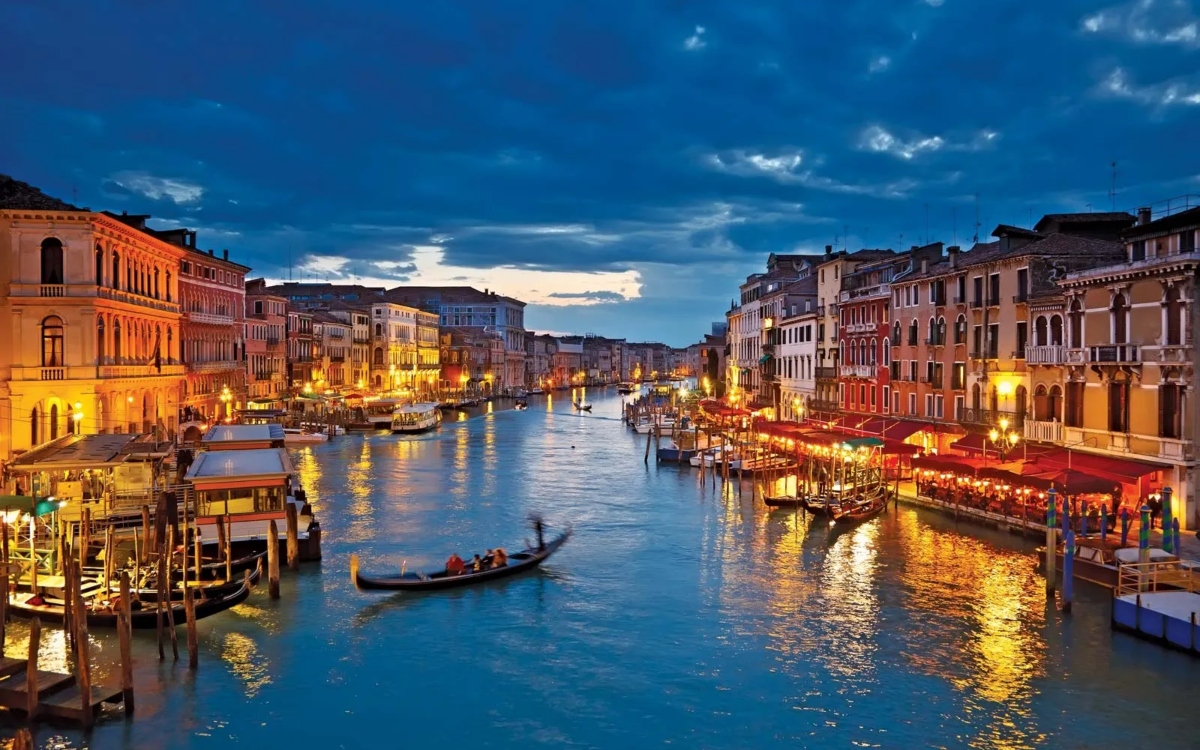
(939, 300)
(53, 290)
(825, 406)
(1115, 354)
(986, 353)
(977, 304)
(857, 371)
(1021, 298)
(139, 371)
(211, 318)
(875, 290)
(53, 373)
(993, 300)
(861, 327)
(960, 299)
(826, 373)
(991, 417)
(218, 366)
(90, 290)
(1044, 432)
(957, 384)
(1075, 356)
(1046, 354)
(935, 341)
(120, 295)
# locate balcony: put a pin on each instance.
(935, 341)
(218, 366)
(993, 300)
(1075, 356)
(139, 371)
(90, 291)
(1175, 354)
(960, 299)
(53, 373)
(986, 353)
(939, 300)
(211, 319)
(820, 310)
(977, 304)
(1044, 432)
(857, 371)
(861, 328)
(1021, 298)
(1119, 354)
(1047, 354)
(826, 373)
(823, 406)
(864, 292)
(936, 382)
(338, 358)
(957, 384)
(1016, 420)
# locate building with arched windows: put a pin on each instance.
(90, 325)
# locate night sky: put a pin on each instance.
(619, 165)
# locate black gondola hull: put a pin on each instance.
(141, 619)
(519, 562)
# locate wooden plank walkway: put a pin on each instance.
(8, 666)
(58, 694)
(14, 690)
(68, 703)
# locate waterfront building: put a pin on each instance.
(333, 366)
(540, 349)
(467, 307)
(428, 363)
(89, 322)
(394, 347)
(961, 333)
(212, 294)
(301, 361)
(780, 300)
(1130, 360)
(864, 326)
(266, 346)
(567, 362)
(794, 336)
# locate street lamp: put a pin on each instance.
(1003, 438)
(226, 397)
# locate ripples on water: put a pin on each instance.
(678, 615)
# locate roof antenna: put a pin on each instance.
(954, 221)
(1112, 191)
(975, 238)
(289, 263)
(846, 236)
(926, 223)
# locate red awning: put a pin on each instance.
(972, 444)
(1109, 467)
(758, 406)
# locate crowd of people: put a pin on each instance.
(493, 558)
(1027, 503)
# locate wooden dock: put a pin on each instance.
(57, 694)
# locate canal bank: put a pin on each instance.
(678, 613)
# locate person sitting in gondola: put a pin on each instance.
(499, 558)
(477, 563)
(454, 565)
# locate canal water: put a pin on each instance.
(677, 616)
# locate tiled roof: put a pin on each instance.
(1008, 229)
(19, 195)
(1089, 217)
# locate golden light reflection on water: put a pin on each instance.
(245, 662)
(308, 469)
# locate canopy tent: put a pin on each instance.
(38, 506)
(1110, 468)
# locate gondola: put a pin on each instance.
(518, 562)
(783, 501)
(215, 590)
(818, 506)
(521, 405)
(139, 619)
(852, 515)
(581, 407)
(212, 569)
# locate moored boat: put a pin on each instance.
(583, 407)
(302, 437)
(1099, 561)
(783, 501)
(26, 606)
(415, 418)
(852, 513)
(673, 453)
(518, 562)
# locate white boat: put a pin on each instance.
(713, 455)
(334, 430)
(379, 412)
(665, 424)
(302, 437)
(413, 418)
(536, 392)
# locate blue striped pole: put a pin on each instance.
(1068, 570)
(1167, 543)
(1051, 507)
(1144, 535)
(1175, 534)
(1051, 543)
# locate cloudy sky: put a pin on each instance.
(619, 165)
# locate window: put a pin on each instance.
(1120, 319)
(99, 265)
(1187, 242)
(929, 405)
(1172, 335)
(993, 341)
(1137, 250)
(54, 422)
(258, 307)
(116, 271)
(1118, 406)
(958, 377)
(34, 418)
(99, 341)
(977, 342)
(1022, 285)
(1022, 336)
(1170, 411)
(887, 399)
(1074, 405)
(960, 330)
(960, 289)
(912, 404)
(912, 333)
(977, 298)
(52, 261)
(994, 289)
(959, 408)
(52, 342)
(912, 371)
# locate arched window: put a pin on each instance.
(167, 287)
(116, 271)
(1075, 317)
(156, 272)
(100, 341)
(1173, 331)
(896, 333)
(1040, 331)
(378, 329)
(170, 344)
(912, 332)
(70, 420)
(1022, 398)
(52, 342)
(1120, 319)
(52, 261)
(1056, 330)
(34, 418)
(1039, 403)
(873, 349)
(99, 265)
(54, 421)
(379, 355)
(960, 330)
(116, 341)
(976, 404)
(941, 331)
(932, 331)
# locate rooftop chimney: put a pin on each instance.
(225, 254)
(1144, 215)
(828, 252)
(924, 265)
(210, 252)
(952, 255)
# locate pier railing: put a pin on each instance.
(1165, 575)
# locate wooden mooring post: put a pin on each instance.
(31, 669)
(83, 665)
(273, 560)
(293, 537)
(125, 628)
(189, 608)
(144, 556)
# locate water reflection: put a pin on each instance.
(244, 660)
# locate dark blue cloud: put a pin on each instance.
(680, 140)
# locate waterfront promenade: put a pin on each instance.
(677, 614)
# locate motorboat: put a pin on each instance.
(302, 437)
(415, 418)
(626, 388)
(536, 392)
